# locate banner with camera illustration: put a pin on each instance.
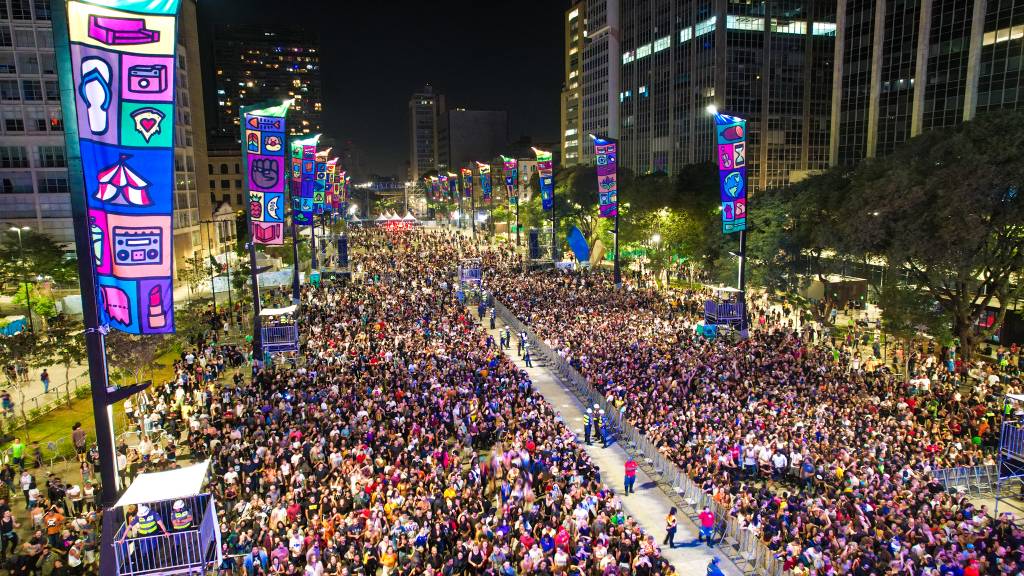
(123, 69)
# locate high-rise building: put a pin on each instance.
(769, 62)
(466, 136)
(906, 67)
(33, 163)
(599, 99)
(571, 114)
(257, 63)
(425, 110)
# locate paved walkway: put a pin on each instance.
(649, 504)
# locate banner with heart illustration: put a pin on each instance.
(123, 73)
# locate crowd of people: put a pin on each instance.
(812, 442)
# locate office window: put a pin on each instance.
(209, 168)
(56, 121)
(238, 168)
(224, 169)
(9, 90)
(42, 9)
(7, 65)
(24, 38)
(213, 184)
(52, 184)
(31, 91)
(52, 90)
(225, 184)
(6, 40)
(20, 10)
(52, 157)
(37, 119)
(16, 183)
(47, 63)
(13, 121)
(28, 63)
(238, 183)
(13, 157)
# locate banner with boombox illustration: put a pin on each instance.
(123, 69)
(303, 179)
(263, 148)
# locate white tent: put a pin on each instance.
(382, 218)
(278, 311)
(164, 486)
(409, 217)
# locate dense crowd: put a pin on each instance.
(812, 442)
(399, 440)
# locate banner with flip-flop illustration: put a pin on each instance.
(123, 65)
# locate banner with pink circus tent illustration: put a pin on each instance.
(123, 70)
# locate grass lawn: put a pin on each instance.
(57, 424)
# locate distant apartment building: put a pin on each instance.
(264, 62)
(425, 110)
(599, 97)
(571, 112)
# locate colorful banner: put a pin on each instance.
(444, 186)
(606, 159)
(123, 69)
(330, 190)
(547, 181)
(485, 180)
(263, 132)
(732, 171)
(453, 186)
(340, 199)
(467, 182)
(511, 171)
(303, 178)
(320, 182)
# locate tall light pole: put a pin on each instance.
(24, 278)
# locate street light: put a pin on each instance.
(712, 109)
(24, 279)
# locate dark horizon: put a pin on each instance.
(368, 74)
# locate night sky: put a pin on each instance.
(479, 54)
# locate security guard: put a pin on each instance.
(587, 425)
(181, 519)
(604, 429)
(147, 521)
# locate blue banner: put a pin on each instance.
(732, 171)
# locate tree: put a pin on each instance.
(946, 209)
(194, 271)
(43, 305)
(42, 257)
(908, 313)
(133, 354)
(64, 346)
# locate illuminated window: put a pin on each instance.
(704, 27)
(662, 43)
(627, 57)
(1000, 36)
(685, 34)
(734, 22)
(643, 51)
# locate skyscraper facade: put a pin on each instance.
(257, 63)
(769, 62)
(906, 67)
(571, 113)
(599, 100)
(33, 163)
(425, 110)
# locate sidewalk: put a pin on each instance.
(648, 504)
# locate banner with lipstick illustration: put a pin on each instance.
(732, 171)
(485, 180)
(303, 179)
(263, 135)
(467, 182)
(511, 170)
(123, 72)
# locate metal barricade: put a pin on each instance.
(749, 550)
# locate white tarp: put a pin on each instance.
(278, 311)
(164, 486)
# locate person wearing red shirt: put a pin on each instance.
(630, 479)
(707, 527)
